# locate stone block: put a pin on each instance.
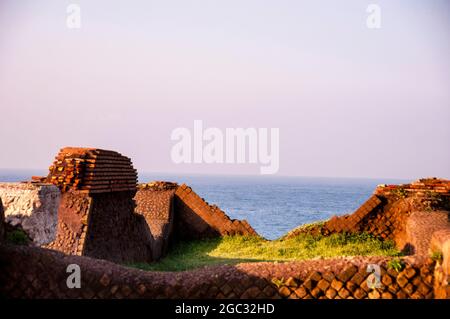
(33, 207)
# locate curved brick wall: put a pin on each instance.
(30, 272)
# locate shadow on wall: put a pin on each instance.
(196, 219)
(190, 224)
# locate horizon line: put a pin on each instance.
(247, 175)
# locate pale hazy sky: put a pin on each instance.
(349, 101)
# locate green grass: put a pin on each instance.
(305, 228)
(238, 249)
(17, 237)
(396, 264)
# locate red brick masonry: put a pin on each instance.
(104, 225)
(96, 215)
(28, 272)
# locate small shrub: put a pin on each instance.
(437, 256)
(278, 282)
(400, 192)
(434, 201)
(397, 264)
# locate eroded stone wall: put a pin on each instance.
(33, 207)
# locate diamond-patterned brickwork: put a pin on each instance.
(29, 272)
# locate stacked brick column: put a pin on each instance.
(96, 214)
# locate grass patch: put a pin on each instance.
(437, 256)
(305, 228)
(17, 237)
(238, 249)
(396, 264)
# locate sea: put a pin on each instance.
(272, 205)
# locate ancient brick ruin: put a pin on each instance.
(407, 214)
(104, 214)
(96, 214)
(415, 216)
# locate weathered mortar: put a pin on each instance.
(32, 206)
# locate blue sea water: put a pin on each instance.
(272, 205)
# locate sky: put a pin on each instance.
(349, 101)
